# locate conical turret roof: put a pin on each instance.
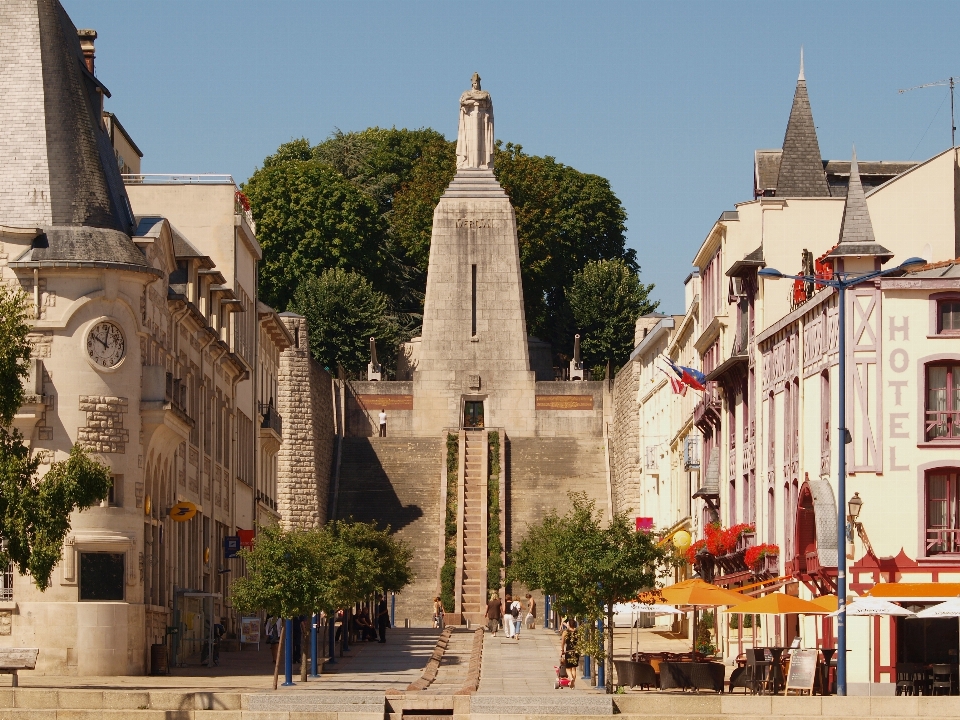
(856, 230)
(801, 167)
(60, 174)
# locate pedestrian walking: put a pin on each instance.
(494, 612)
(383, 422)
(516, 609)
(438, 613)
(531, 619)
(383, 618)
(569, 654)
(508, 618)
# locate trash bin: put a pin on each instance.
(158, 660)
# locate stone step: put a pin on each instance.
(570, 703)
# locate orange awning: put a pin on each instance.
(917, 592)
(827, 602)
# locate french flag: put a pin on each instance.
(694, 378)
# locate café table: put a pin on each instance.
(776, 671)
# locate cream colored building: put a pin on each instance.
(148, 348)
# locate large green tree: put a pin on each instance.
(589, 565)
(35, 512)
(565, 218)
(344, 311)
(310, 218)
(606, 297)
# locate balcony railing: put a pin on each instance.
(185, 179)
(271, 419)
(942, 424)
(176, 393)
(943, 540)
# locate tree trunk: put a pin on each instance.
(276, 664)
(609, 659)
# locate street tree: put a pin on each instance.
(606, 297)
(588, 565)
(344, 311)
(35, 512)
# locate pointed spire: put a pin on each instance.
(801, 167)
(856, 230)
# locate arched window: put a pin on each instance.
(942, 511)
(942, 416)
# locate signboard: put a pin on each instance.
(246, 538)
(375, 403)
(183, 511)
(803, 670)
(564, 402)
(645, 524)
(250, 630)
(231, 546)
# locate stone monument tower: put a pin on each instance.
(473, 366)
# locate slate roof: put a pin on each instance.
(89, 218)
(873, 173)
(801, 166)
(149, 227)
(942, 269)
(68, 246)
(856, 230)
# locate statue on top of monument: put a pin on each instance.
(475, 133)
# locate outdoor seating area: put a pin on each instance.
(935, 679)
(670, 671)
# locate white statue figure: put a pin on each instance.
(475, 134)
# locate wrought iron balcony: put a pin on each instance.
(271, 419)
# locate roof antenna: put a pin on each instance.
(949, 81)
(801, 78)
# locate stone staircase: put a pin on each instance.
(396, 482)
(473, 581)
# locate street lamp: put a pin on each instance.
(840, 282)
(853, 507)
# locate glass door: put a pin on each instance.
(473, 414)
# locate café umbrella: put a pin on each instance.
(777, 604)
(867, 606)
(699, 594)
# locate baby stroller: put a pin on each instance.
(562, 679)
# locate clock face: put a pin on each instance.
(105, 344)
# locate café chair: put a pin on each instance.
(942, 679)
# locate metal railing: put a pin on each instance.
(6, 584)
(942, 424)
(178, 179)
(943, 540)
(271, 418)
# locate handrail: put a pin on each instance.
(178, 179)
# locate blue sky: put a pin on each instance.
(668, 100)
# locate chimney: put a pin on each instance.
(86, 45)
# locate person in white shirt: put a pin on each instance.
(383, 422)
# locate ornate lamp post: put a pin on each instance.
(840, 282)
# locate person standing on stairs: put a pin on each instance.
(383, 422)
(531, 618)
(517, 611)
(494, 609)
(508, 618)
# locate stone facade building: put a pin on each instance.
(149, 348)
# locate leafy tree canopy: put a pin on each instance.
(565, 218)
(344, 311)
(35, 513)
(606, 297)
(310, 218)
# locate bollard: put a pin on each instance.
(601, 670)
(288, 655)
(393, 609)
(546, 612)
(313, 645)
(331, 621)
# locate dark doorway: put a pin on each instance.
(473, 414)
(927, 640)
